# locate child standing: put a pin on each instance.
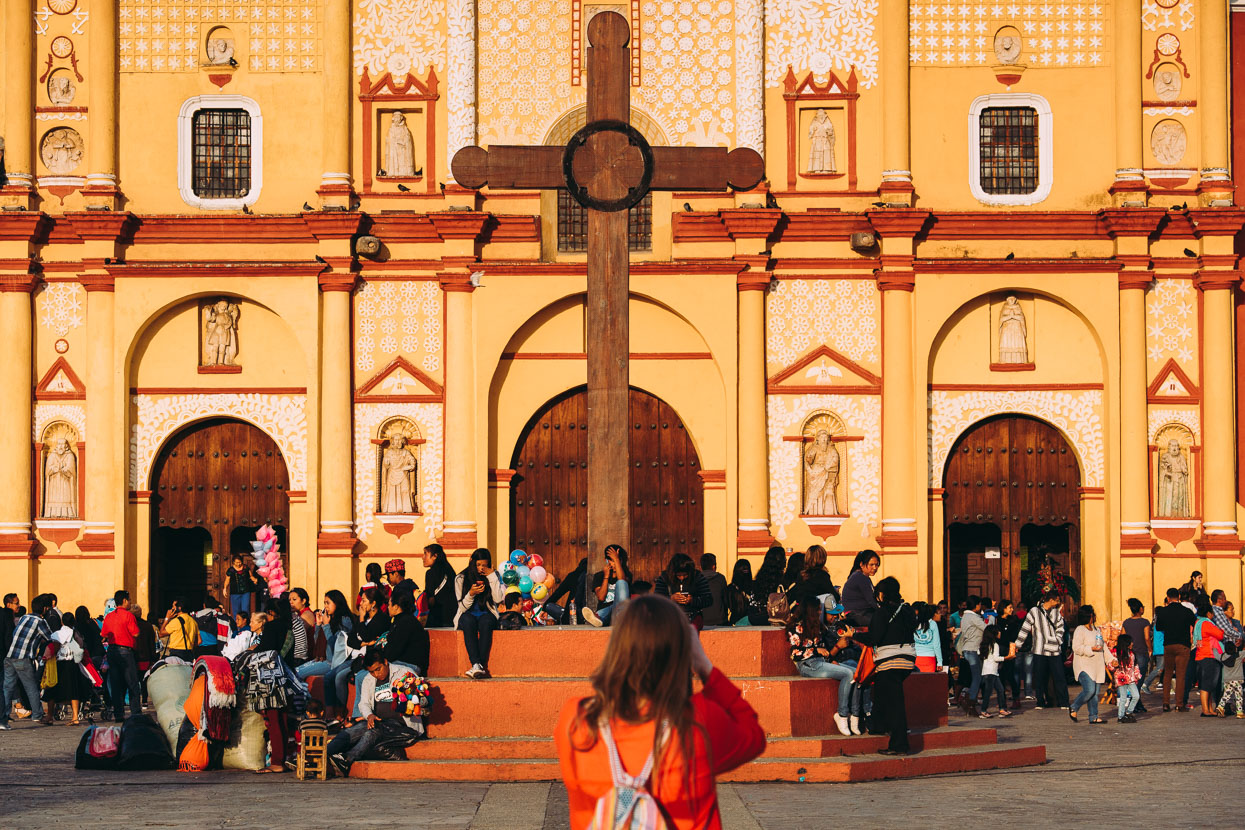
(1233, 688)
(991, 657)
(1127, 676)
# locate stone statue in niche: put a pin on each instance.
(1007, 48)
(61, 150)
(61, 89)
(821, 144)
(220, 334)
(397, 474)
(1167, 83)
(219, 50)
(821, 476)
(1168, 142)
(60, 482)
(1013, 336)
(399, 148)
(1173, 482)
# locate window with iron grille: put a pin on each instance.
(221, 153)
(573, 225)
(1009, 150)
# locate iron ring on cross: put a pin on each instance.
(634, 194)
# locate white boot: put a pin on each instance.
(855, 725)
(842, 724)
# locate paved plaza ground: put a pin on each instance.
(1170, 770)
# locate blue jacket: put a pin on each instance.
(929, 643)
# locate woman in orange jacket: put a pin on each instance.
(645, 681)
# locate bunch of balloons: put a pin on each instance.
(524, 574)
(267, 553)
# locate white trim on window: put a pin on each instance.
(185, 151)
(1046, 148)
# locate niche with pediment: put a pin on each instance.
(397, 466)
(1175, 472)
(59, 448)
(823, 465)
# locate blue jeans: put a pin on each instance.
(973, 658)
(819, 667)
(315, 668)
(622, 593)
(1024, 667)
(21, 671)
(1128, 698)
(992, 683)
(1155, 671)
(1089, 694)
(353, 742)
(239, 602)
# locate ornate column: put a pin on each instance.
(16, 542)
(897, 188)
(338, 106)
(901, 410)
(460, 97)
(460, 231)
(101, 147)
(1217, 280)
(1131, 229)
(750, 228)
(1130, 184)
(19, 162)
(1212, 106)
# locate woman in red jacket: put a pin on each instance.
(643, 681)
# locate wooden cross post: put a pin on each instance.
(608, 167)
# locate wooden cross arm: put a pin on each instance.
(674, 168)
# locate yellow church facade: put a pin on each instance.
(981, 311)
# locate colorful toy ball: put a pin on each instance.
(512, 589)
(518, 557)
(510, 578)
(535, 560)
(550, 582)
(528, 605)
(525, 584)
(539, 592)
(538, 574)
(524, 572)
(507, 566)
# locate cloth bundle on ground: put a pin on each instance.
(209, 712)
(247, 746)
(98, 748)
(143, 745)
(268, 683)
(395, 737)
(168, 686)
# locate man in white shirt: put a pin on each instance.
(375, 695)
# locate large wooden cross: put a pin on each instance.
(608, 167)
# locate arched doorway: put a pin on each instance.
(1012, 499)
(549, 501)
(213, 484)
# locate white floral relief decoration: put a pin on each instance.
(59, 307)
(749, 74)
(1171, 323)
(398, 318)
(1167, 16)
(269, 35)
(1187, 418)
(821, 35)
(399, 36)
(462, 77)
(862, 415)
(429, 418)
(1056, 34)
(156, 417)
(1077, 414)
(46, 413)
(803, 314)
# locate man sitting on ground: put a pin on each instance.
(376, 704)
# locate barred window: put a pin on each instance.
(1009, 150)
(573, 225)
(221, 153)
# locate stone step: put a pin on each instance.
(841, 769)
(821, 746)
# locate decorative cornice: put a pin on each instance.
(105, 225)
(460, 224)
(750, 223)
(898, 222)
(98, 282)
(24, 225)
(250, 270)
(455, 282)
(1217, 221)
(896, 280)
(333, 224)
(1132, 221)
(1215, 280)
(337, 281)
(1135, 280)
(15, 283)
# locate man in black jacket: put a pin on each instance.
(1176, 622)
(714, 614)
(8, 621)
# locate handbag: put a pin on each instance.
(778, 607)
(865, 667)
(49, 675)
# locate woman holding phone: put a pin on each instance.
(479, 591)
(683, 582)
(612, 586)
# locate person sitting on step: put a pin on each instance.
(687, 586)
(375, 696)
(612, 586)
(478, 590)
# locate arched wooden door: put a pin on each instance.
(214, 483)
(1012, 496)
(549, 493)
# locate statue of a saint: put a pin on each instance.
(397, 470)
(399, 148)
(821, 144)
(1173, 482)
(219, 50)
(220, 334)
(1013, 337)
(60, 483)
(821, 477)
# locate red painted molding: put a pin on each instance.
(1132, 221)
(336, 541)
(698, 227)
(991, 387)
(98, 282)
(823, 225)
(833, 89)
(332, 224)
(512, 228)
(1226, 543)
(804, 439)
(712, 476)
(214, 270)
(897, 540)
(1013, 367)
(220, 369)
(501, 477)
(1018, 265)
(454, 282)
(18, 283)
(896, 281)
(201, 228)
(1216, 280)
(1020, 225)
(871, 381)
(1136, 542)
(92, 542)
(460, 224)
(1217, 221)
(337, 281)
(1171, 367)
(15, 543)
(436, 390)
(60, 365)
(898, 222)
(24, 225)
(458, 541)
(218, 390)
(105, 225)
(750, 223)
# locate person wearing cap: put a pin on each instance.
(395, 575)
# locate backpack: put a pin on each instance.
(628, 805)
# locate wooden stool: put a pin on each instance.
(313, 753)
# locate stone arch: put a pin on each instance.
(574, 120)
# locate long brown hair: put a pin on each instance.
(814, 560)
(646, 675)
